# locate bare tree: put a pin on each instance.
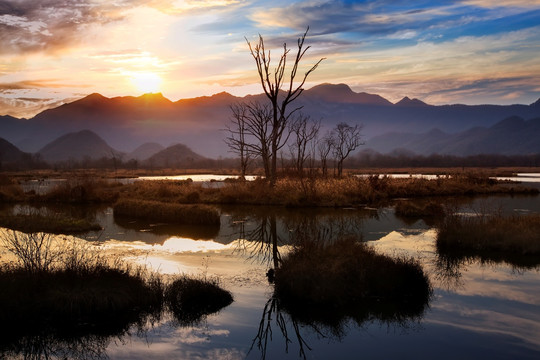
(346, 139)
(237, 137)
(280, 99)
(304, 132)
(324, 147)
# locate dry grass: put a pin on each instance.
(519, 234)
(412, 209)
(167, 212)
(348, 278)
(55, 224)
(59, 287)
(190, 300)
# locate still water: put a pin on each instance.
(478, 309)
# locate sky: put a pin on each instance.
(442, 52)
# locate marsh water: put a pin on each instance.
(479, 308)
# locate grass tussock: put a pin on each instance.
(412, 209)
(10, 191)
(167, 212)
(518, 234)
(55, 224)
(81, 191)
(348, 279)
(190, 300)
(61, 287)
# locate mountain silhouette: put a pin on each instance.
(144, 151)
(126, 122)
(77, 146)
(511, 136)
(9, 153)
(176, 156)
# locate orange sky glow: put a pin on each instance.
(438, 51)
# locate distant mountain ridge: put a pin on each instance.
(77, 146)
(126, 122)
(511, 136)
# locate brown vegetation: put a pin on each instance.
(55, 224)
(518, 234)
(190, 300)
(168, 212)
(347, 278)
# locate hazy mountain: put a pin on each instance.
(341, 93)
(77, 146)
(176, 156)
(410, 102)
(511, 136)
(126, 122)
(144, 151)
(9, 153)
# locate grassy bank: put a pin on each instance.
(168, 212)
(64, 287)
(289, 191)
(68, 288)
(320, 191)
(55, 224)
(490, 234)
(348, 279)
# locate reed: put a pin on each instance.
(56, 287)
(167, 212)
(191, 299)
(485, 233)
(55, 223)
(347, 277)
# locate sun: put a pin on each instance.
(146, 82)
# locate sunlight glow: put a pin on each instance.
(146, 82)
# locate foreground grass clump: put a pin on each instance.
(56, 224)
(175, 213)
(66, 287)
(348, 279)
(484, 234)
(189, 299)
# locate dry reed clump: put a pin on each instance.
(518, 234)
(167, 212)
(81, 191)
(419, 210)
(347, 278)
(183, 191)
(55, 223)
(58, 286)
(190, 300)
(10, 191)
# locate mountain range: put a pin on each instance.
(124, 123)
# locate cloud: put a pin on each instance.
(331, 17)
(50, 25)
(36, 84)
(24, 107)
(506, 3)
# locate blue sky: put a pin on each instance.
(470, 51)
